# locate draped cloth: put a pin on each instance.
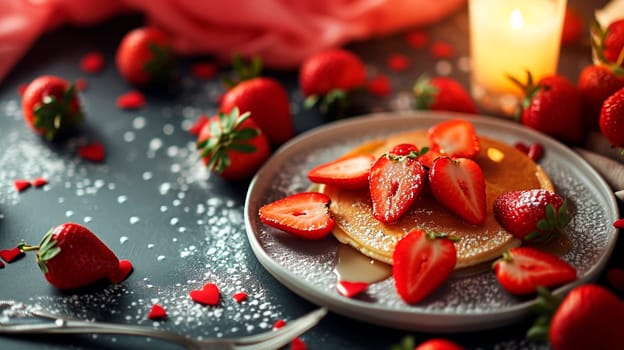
(281, 32)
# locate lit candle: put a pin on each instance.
(509, 38)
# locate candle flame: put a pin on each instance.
(516, 19)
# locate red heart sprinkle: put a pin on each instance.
(535, 151)
(417, 39)
(208, 295)
(94, 152)
(81, 84)
(240, 297)
(125, 269)
(279, 324)
(10, 255)
(204, 70)
(380, 86)
(199, 124)
(351, 289)
(619, 223)
(615, 277)
(92, 62)
(522, 147)
(131, 100)
(398, 62)
(21, 185)
(157, 313)
(21, 88)
(298, 344)
(441, 49)
(40, 181)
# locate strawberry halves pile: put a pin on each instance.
(423, 261)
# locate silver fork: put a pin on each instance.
(60, 324)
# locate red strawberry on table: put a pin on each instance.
(442, 94)
(395, 181)
(347, 172)
(438, 344)
(267, 101)
(596, 83)
(51, 106)
(71, 256)
(612, 119)
(421, 263)
(521, 270)
(589, 317)
(552, 106)
(459, 185)
(327, 77)
(454, 138)
(304, 214)
(145, 57)
(534, 215)
(232, 145)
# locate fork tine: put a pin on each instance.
(278, 338)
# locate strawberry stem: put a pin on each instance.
(545, 306)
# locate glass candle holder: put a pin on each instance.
(509, 38)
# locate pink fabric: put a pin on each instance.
(282, 32)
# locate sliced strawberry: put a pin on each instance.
(347, 172)
(521, 270)
(421, 263)
(395, 182)
(304, 214)
(350, 289)
(459, 185)
(454, 138)
(535, 215)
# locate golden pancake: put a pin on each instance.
(505, 169)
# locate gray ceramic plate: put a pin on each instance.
(464, 303)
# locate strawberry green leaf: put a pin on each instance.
(243, 147)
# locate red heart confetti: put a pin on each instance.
(208, 295)
(125, 269)
(131, 100)
(40, 181)
(21, 88)
(279, 324)
(92, 62)
(199, 124)
(417, 39)
(10, 255)
(81, 84)
(619, 223)
(94, 152)
(398, 62)
(351, 289)
(379, 86)
(240, 297)
(204, 70)
(157, 313)
(522, 147)
(298, 344)
(441, 50)
(21, 185)
(615, 277)
(535, 151)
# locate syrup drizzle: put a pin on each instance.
(353, 266)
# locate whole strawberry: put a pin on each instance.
(327, 77)
(613, 42)
(71, 256)
(51, 106)
(596, 83)
(145, 56)
(552, 106)
(233, 146)
(589, 317)
(442, 94)
(534, 215)
(267, 100)
(612, 118)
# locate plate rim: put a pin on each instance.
(437, 321)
